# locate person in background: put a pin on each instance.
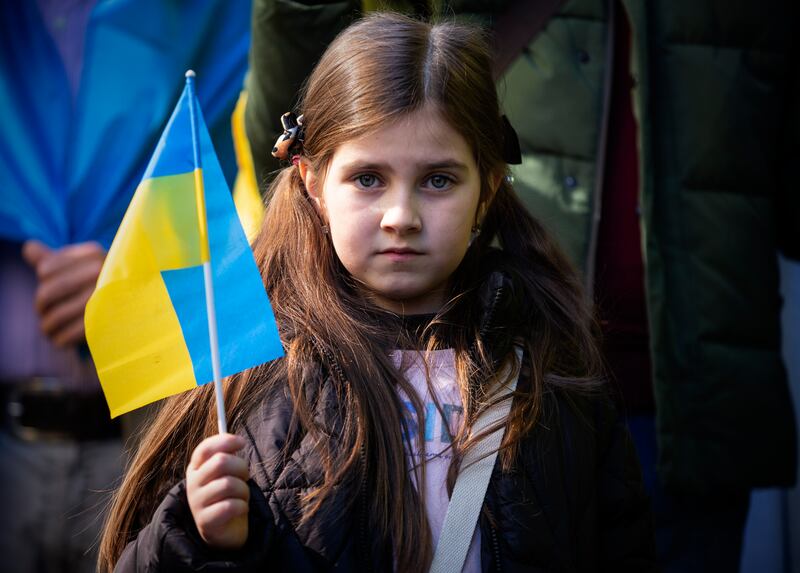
(86, 87)
(656, 142)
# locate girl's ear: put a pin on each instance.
(494, 185)
(313, 186)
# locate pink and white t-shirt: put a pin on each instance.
(438, 434)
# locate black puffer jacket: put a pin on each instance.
(573, 500)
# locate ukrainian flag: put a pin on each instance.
(147, 323)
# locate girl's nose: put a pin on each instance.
(401, 214)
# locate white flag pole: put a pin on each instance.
(222, 423)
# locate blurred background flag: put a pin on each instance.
(66, 174)
(147, 323)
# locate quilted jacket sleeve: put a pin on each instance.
(626, 538)
(171, 542)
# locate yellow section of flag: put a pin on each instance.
(141, 334)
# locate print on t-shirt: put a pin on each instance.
(439, 426)
(438, 429)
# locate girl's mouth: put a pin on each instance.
(400, 254)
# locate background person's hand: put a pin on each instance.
(216, 486)
(67, 278)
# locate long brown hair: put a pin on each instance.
(378, 70)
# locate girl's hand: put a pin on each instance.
(216, 486)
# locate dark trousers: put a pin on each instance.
(694, 533)
(700, 533)
(53, 497)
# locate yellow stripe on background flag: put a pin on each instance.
(246, 194)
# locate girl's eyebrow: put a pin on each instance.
(447, 164)
(377, 166)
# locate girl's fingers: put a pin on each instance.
(216, 490)
(218, 515)
(227, 487)
(220, 443)
(217, 466)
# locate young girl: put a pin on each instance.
(405, 276)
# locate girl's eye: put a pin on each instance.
(367, 180)
(440, 182)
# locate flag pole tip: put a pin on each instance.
(190, 74)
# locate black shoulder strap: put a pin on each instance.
(515, 28)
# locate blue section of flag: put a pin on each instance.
(247, 332)
(173, 154)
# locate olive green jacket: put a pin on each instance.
(716, 119)
(716, 115)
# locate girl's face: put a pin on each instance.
(400, 204)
